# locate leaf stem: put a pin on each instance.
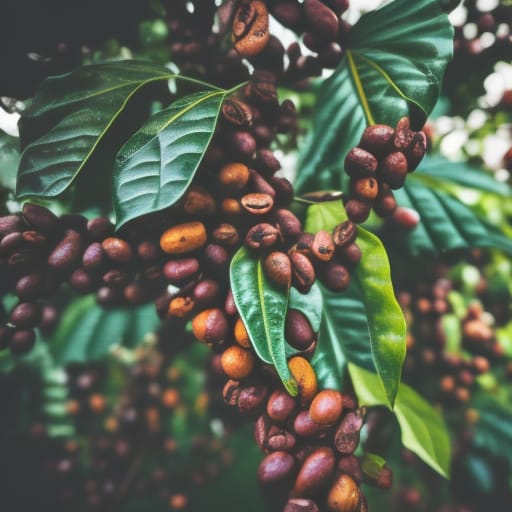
(359, 88)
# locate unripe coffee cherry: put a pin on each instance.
(305, 376)
(183, 238)
(210, 326)
(326, 407)
(315, 472)
(237, 362)
(344, 495)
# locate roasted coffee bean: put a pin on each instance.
(31, 286)
(116, 278)
(10, 224)
(323, 246)
(149, 252)
(210, 326)
(344, 495)
(26, 315)
(262, 236)
(280, 406)
(215, 258)
(68, 252)
(385, 203)
(335, 277)
(304, 425)
(315, 473)
(183, 238)
(303, 272)
(94, 258)
(226, 235)
(242, 143)
(393, 169)
(321, 20)
(403, 135)
(326, 407)
(22, 341)
(276, 468)
(300, 505)
(117, 250)
(289, 224)
(260, 185)
(279, 439)
(344, 234)
(206, 292)
(234, 176)
(359, 163)
(178, 272)
(267, 163)
(284, 190)
(99, 228)
(357, 210)
(416, 150)
(40, 218)
(237, 363)
(278, 268)
(346, 438)
(377, 139)
(250, 27)
(236, 112)
(298, 331)
(350, 465)
(257, 204)
(81, 281)
(198, 201)
(304, 244)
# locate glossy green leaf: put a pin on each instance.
(492, 430)
(155, 167)
(262, 307)
(366, 320)
(69, 117)
(88, 332)
(423, 429)
(394, 64)
(446, 223)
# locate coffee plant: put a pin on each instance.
(254, 253)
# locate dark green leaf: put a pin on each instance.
(492, 430)
(394, 65)
(155, 167)
(446, 223)
(366, 320)
(423, 429)
(88, 331)
(262, 307)
(309, 304)
(69, 117)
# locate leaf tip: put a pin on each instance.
(291, 386)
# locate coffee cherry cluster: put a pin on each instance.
(454, 371)
(378, 165)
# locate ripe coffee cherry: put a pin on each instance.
(210, 326)
(326, 407)
(276, 468)
(22, 341)
(305, 376)
(377, 139)
(237, 362)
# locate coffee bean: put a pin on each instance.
(346, 438)
(315, 473)
(344, 495)
(94, 258)
(226, 235)
(289, 224)
(206, 292)
(298, 331)
(321, 20)
(10, 224)
(26, 315)
(178, 272)
(364, 188)
(241, 335)
(326, 407)
(251, 398)
(234, 175)
(237, 112)
(68, 252)
(180, 307)
(260, 185)
(393, 169)
(116, 278)
(357, 210)
(304, 425)
(237, 362)
(350, 465)
(284, 190)
(323, 246)
(305, 376)
(360, 163)
(377, 139)
(262, 236)
(250, 28)
(40, 218)
(403, 135)
(183, 238)
(344, 234)
(257, 204)
(276, 468)
(335, 277)
(278, 268)
(31, 286)
(210, 326)
(303, 272)
(81, 281)
(117, 250)
(280, 406)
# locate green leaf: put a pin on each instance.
(155, 167)
(366, 319)
(309, 304)
(88, 331)
(69, 117)
(394, 65)
(423, 429)
(262, 307)
(446, 223)
(9, 160)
